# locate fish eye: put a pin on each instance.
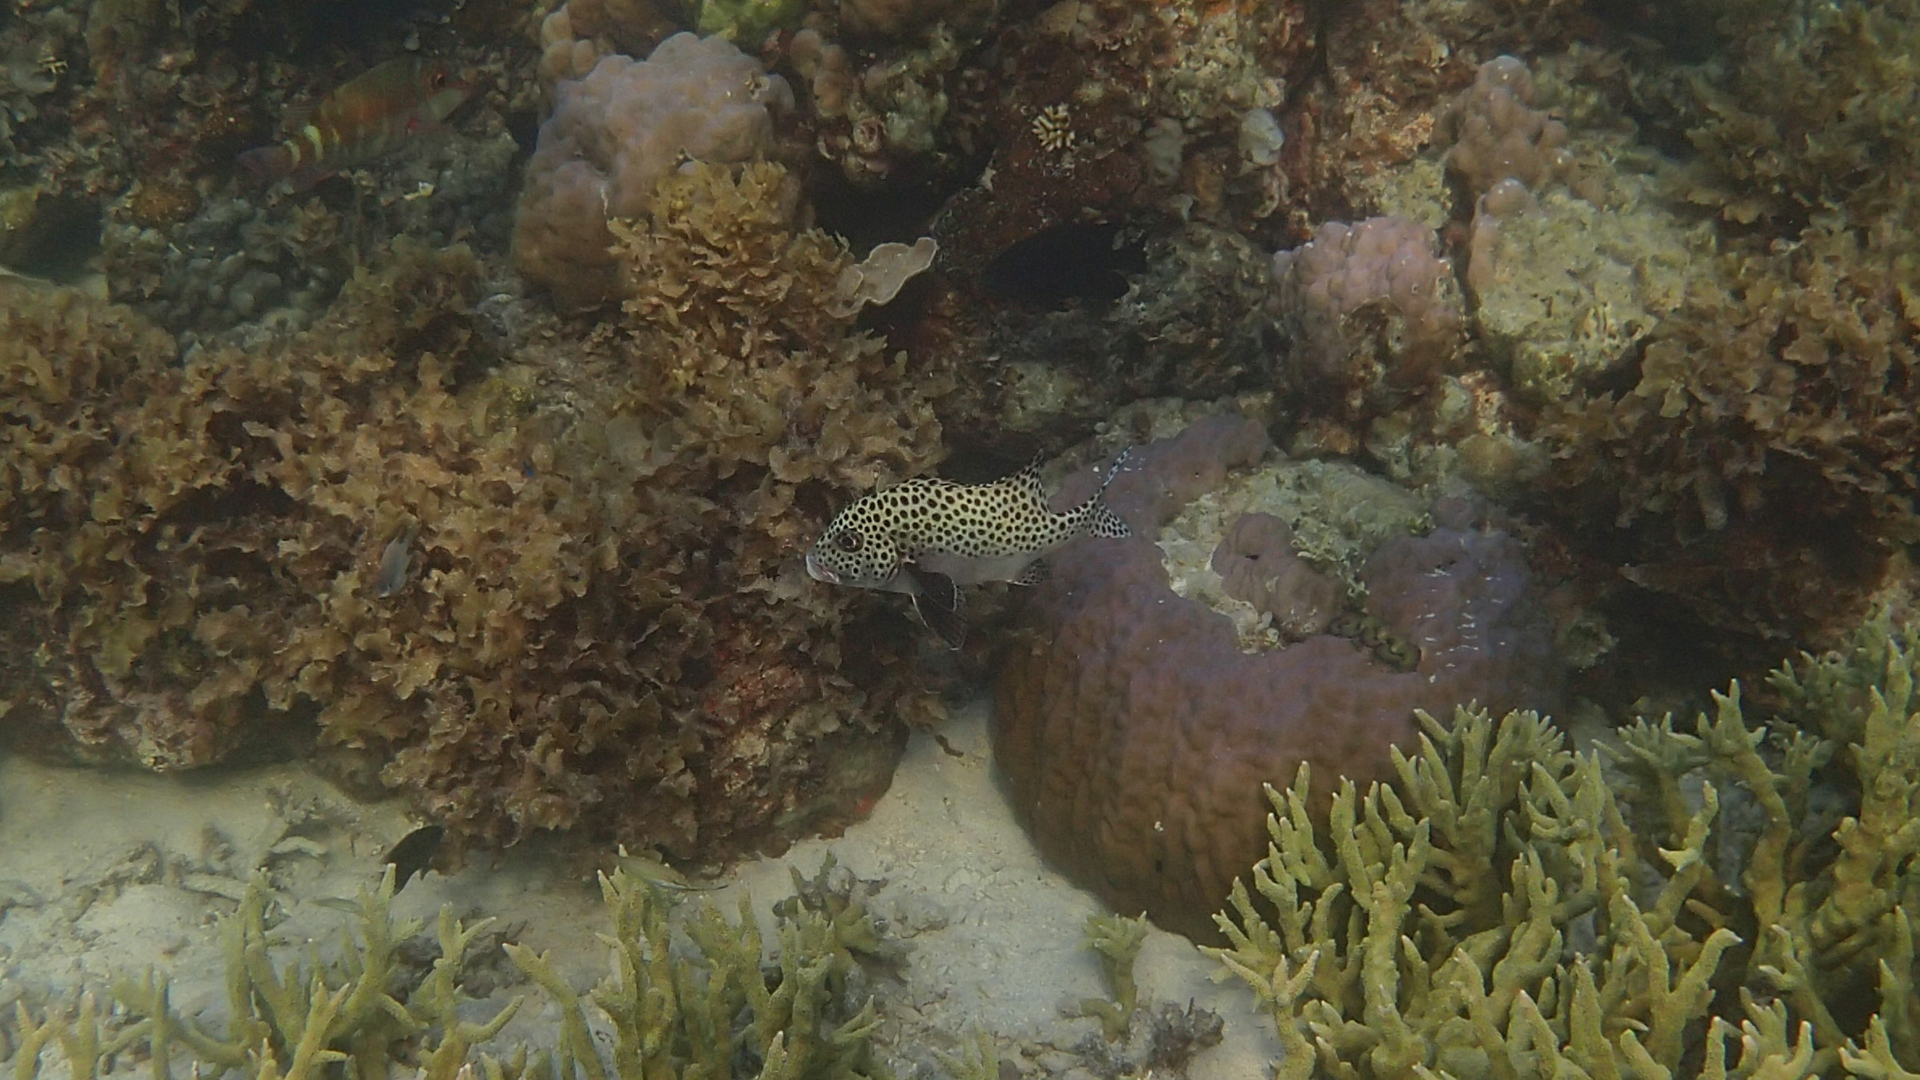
(848, 541)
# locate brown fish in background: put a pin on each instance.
(368, 117)
(413, 856)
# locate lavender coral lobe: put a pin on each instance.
(1136, 736)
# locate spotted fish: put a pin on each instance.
(363, 120)
(927, 537)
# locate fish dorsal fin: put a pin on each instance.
(1102, 521)
(1028, 480)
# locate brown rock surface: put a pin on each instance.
(1135, 735)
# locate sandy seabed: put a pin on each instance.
(105, 873)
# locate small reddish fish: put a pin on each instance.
(367, 118)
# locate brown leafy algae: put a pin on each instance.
(602, 621)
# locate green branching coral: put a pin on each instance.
(1117, 940)
(291, 1019)
(694, 1000)
(1511, 909)
(1831, 908)
(1430, 935)
(679, 1012)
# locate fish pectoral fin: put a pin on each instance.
(936, 587)
(1036, 572)
(944, 622)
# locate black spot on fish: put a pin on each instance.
(413, 855)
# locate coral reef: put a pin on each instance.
(1070, 135)
(1192, 321)
(1133, 729)
(1510, 902)
(600, 622)
(1257, 564)
(1394, 71)
(1739, 463)
(576, 35)
(1117, 941)
(286, 1018)
(615, 133)
(1431, 865)
(894, 18)
(875, 114)
(1573, 252)
(706, 1010)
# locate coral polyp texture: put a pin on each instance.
(1498, 135)
(539, 596)
(1135, 725)
(1371, 312)
(615, 133)
(1571, 258)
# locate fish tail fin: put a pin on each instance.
(1119, 466)
(1101, 520)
